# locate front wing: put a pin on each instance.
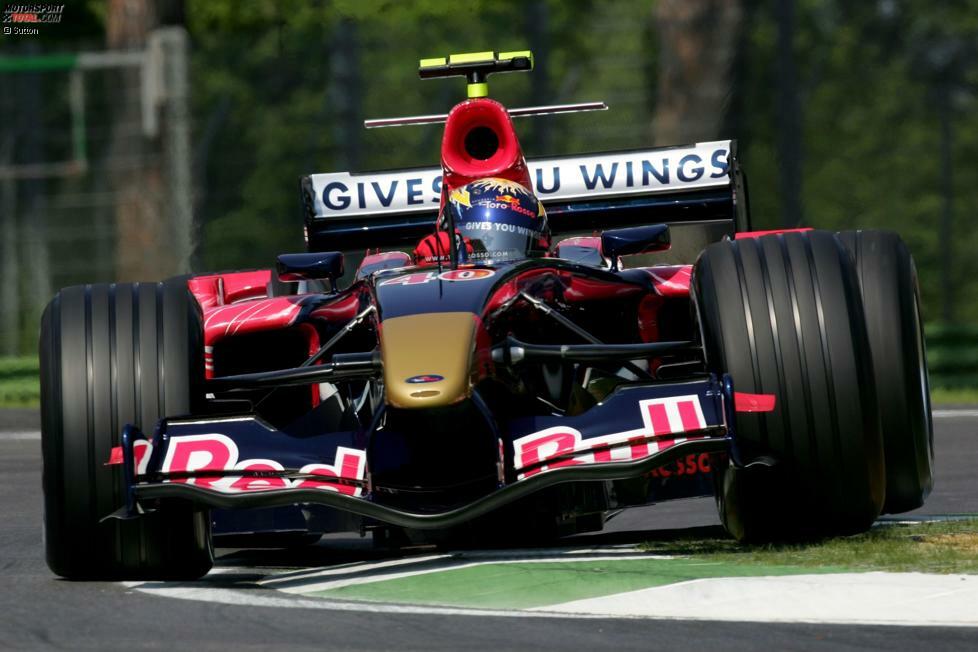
(242, 462)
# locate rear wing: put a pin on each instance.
(695, 185)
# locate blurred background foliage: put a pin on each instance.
(290, 82)
(848, 114)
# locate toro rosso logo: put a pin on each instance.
(513, 203)
(424, 378)
(217, 452)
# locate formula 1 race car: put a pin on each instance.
(511, 379)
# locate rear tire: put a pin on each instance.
(891, 300)
(782, 315)
(112, 355)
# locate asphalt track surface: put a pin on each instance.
(38, 610)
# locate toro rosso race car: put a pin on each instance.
(525, 348)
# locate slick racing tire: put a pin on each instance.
(112, 355)
(782, 315)
(891, 301)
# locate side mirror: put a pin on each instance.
(310, 266)
(584, 250)
(634, 240)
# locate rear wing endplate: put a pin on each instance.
(688, 184)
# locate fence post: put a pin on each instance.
(172, 44)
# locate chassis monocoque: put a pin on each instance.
(782, 372)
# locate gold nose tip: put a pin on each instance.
(435, 351)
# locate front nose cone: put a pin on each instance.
(427, 358)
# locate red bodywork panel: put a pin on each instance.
(115, 456)
(245, 317)
(670, 280)
(248, 317)
(222, 289)
(340, 311)
(237, 303)
(207, 290)
(744, 402)
(246, 285)
(575, 288)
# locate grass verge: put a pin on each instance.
(19, 383)
(940, 547)
(536, 583)
(954, 396)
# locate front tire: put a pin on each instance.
(891, 300)
(782, 315)
(112, 355)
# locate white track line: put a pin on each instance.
(255, 598)
(366, 572)
(311, 585)
(359, 569)
(20, 435)
(524, 554)
(954, 414)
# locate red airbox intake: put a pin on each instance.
(480, 142)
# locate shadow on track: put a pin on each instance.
(333, 550)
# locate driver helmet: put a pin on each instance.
(499, 220)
